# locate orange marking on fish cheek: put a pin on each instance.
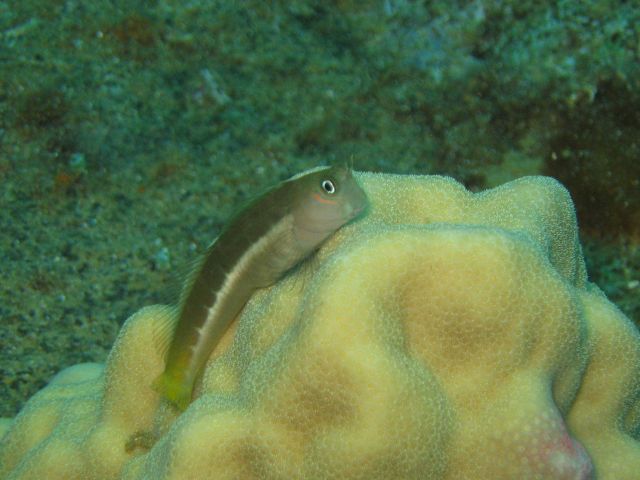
(324, 200)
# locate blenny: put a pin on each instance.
(259, 245)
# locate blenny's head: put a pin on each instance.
(325, 199)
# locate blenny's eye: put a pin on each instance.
(328, 186)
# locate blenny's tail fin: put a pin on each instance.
(177, 391)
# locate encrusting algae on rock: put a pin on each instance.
(445, 335)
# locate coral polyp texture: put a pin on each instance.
(444, 335)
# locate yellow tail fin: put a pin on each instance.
(175, 390)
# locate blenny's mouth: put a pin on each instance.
(358, 211)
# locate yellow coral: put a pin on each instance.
(446, 335)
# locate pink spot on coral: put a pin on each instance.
(554, 454)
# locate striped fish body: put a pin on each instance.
(273, 234)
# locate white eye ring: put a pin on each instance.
(327, 186)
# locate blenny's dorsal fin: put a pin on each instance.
(190, 272)
(165, 327)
